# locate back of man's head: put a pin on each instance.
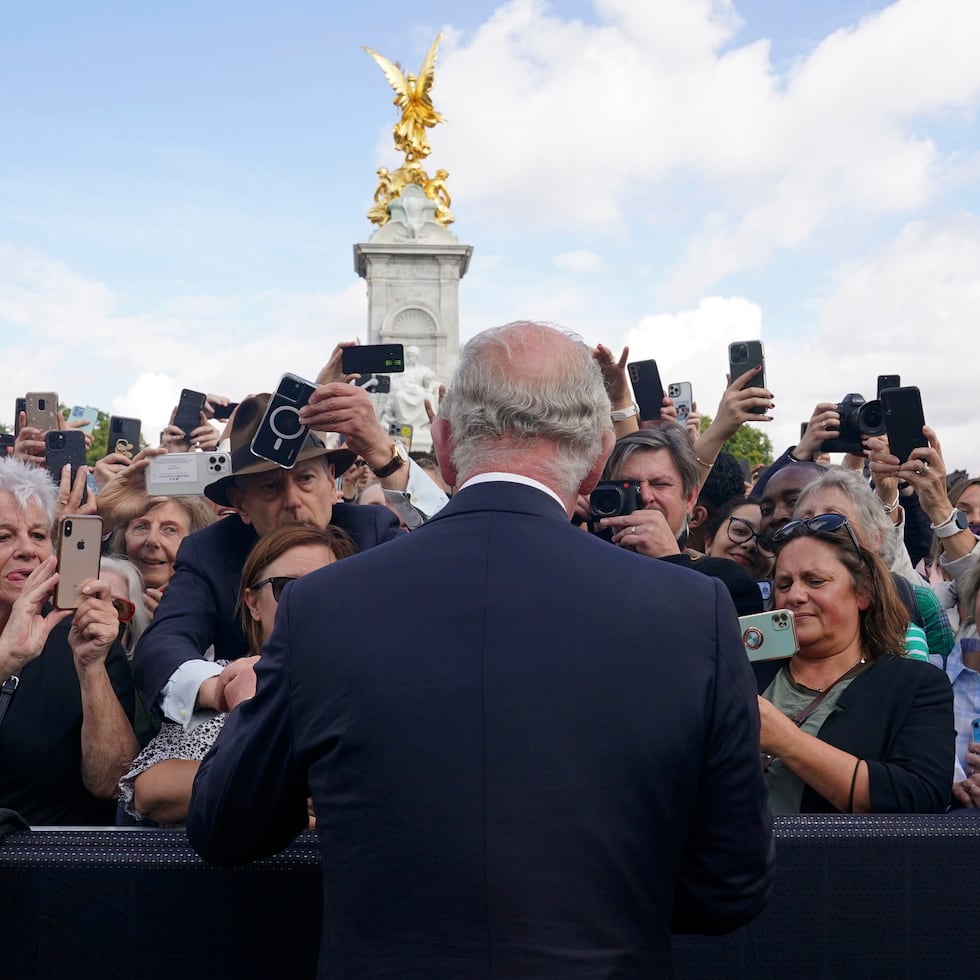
(527, 398)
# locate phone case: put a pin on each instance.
(902, 409)
(280, 435)
(85, 413)
(648, 391)
(683, 396)
(185, 474)
(373, 359)
(769, 635)
(79, 550)
(402, 432)
(887, 381)
(745, 354)
(189, 409)
(63, 446)
(123, 436)
(42, 410)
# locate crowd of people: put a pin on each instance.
(495, 676)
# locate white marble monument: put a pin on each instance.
(413, 265)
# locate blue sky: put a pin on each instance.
(181, 185)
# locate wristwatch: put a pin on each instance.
(956, 522)
(399, 458)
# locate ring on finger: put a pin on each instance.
(62, 501)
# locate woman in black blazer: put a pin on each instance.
(849, 723)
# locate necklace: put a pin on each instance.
(850, 672)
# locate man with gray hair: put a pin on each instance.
(516, 775)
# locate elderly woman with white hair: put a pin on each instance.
(66, 693)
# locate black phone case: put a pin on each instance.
(902, 410)
(754, 355)
(123, 435)
(648, 390)
(64, 446)
(189, 409)
(373, 359)
(280, 435)
(887, 381)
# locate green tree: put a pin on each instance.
(748, 443)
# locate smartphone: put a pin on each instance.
(280, 435)
(648, 391)
(6, 442)
(976, 729)
(42, 410)
(79, 548)
(401, 432)
(185, 474)
(189, 409)
(373, 359)
(376, 384)
(683, 396)
(20, 405)
(63, 446)
(902, 410)
(123, 435)
(887, 381)
(769, 635)
(745, 354)
(223, 412)
(84, 413)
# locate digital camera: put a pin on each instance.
(612, 498)
(857, 418)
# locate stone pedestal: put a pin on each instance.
(413, 266)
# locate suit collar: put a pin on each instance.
(502, 496)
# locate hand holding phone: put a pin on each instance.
(769, 635)
(904, 419)
(743, 355)
(187, 417)
(280, 435)
(79, 557)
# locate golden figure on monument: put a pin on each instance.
(412, 97)
(418, 115)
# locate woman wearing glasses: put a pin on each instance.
(158, 786)
(66, 694)
(849, 723)
(733, 531)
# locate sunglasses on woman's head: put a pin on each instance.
(278, 583)
(818, 524)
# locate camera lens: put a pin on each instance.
(740, 352)
(67, 529)
(871, 420)
(606, 501)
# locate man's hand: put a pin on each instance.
(213, 692)
(29, 443)
(644, 531)
(124, 495)
(348, 409)
(241, 687)
(333, 370)
(967, 792)
(824, 425)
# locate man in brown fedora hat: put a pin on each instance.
(198, 610)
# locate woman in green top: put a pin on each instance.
(849, 723)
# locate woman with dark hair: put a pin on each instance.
(734, 531)
(158, 786)
(849, 723)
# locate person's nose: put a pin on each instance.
(152, 539)
(647, 496)
(26, 546)
(796, 594)
(291, 495)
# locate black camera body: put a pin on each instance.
(613, 498)
(857, 418)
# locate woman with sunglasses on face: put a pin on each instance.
(848, 722)
(158, 786)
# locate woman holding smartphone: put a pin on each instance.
(66, 693)
(849, 723)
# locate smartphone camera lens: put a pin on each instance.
(67, 529)
(740, 352)
(41, 404)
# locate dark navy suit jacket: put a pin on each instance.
(538, 756)
(200, 605)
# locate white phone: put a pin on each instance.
(185, 474)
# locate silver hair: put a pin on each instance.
(134, 579)
(25, 483)
(667, 435)
(872, 519)
(502, 389)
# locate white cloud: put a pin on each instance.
(578, 262)
(589, 126)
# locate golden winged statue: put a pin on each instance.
(412, 97)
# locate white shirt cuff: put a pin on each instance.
(179, 694)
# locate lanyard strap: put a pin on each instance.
(800, 718)
(7, 690)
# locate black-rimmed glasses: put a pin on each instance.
(818, 524)
(278, 583)
(741, 532)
